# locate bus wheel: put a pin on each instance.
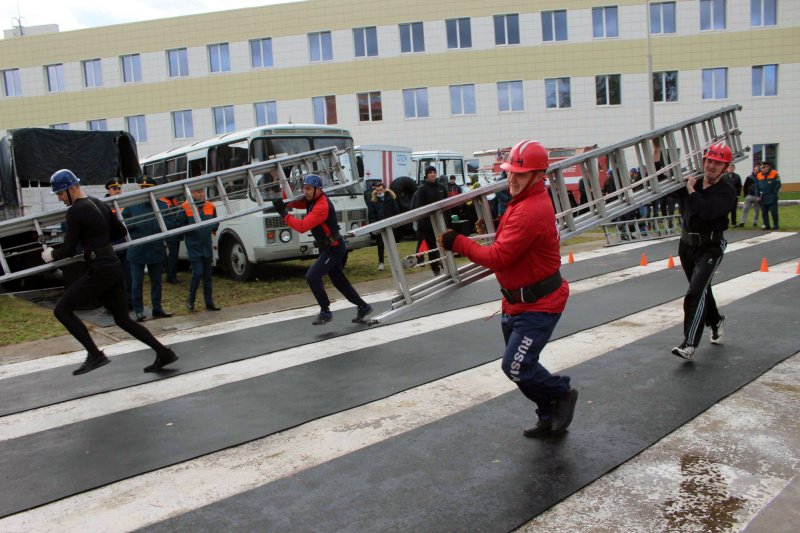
(239, 268)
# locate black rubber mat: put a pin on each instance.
(50, 465)
(47, 387)
(474, 471)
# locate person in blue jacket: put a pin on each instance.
(114, 188)
(141, 222)
(199, 248)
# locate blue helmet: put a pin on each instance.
(313, 180)
(63, 180)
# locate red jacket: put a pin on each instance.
(526, 250)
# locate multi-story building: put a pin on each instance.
(464, 76)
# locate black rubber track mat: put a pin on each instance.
(57, 463)
(48, 387)
(474, 471)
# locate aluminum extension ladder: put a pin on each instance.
(642, 229)
(682, 146)
(245, 180)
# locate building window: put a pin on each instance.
(506, 29)
(223, 119)
(412, 37)
(92, 73)
(557, 93)
(715, 83)
(509, 96)
(97, 125)
(136, 127)
(665, 86)
(365, 41)
(766, 152)
(712, 14)
(369, 106)
(320, 46)
(55, 78)
(554, 25)
(765, 80)
(604, 22)
(324, 109)
(462, 99)
(608, 89)
(178, 61)
(261, 53)
(415, 102)
(662, 17)
(459, 33)
(11, 83)
(131, 68)
(62, 126)
(266, 113)
(219, 57)
(182, 126)
(763, 13)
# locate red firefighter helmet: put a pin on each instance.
(526, 156)
(719, 152)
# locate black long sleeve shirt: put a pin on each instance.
(91, 224)
(706, 209)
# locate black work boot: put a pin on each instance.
(361, 313)
(563, 409)
(92, 362)
(163, 358)
(542, 428)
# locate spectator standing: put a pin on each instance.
(767, 188)
(429, 191)
(452, 187)
(751, 198)
(383, 205)
(173, 243)
(199, 248)
(114, 188)
(734, 180)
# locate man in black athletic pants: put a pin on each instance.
(704, 205)
(91, 224)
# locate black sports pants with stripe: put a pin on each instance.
(699, 307)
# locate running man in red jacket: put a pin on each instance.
(526, 258)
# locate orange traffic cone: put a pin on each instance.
(423, 247)
(671, 262)
(644, 261)
(798, 268)
(571, 259)
(764, 266)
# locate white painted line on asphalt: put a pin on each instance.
(156, 496)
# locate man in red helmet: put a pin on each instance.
(704, 206)
(526, 258)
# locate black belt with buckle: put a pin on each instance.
(532, 293)
(329, 240)
(701, 239)
(104, 251)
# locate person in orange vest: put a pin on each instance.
(173, 243)
(114, 188)
(767, 188)
(199, 248)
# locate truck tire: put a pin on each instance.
(239, 268)
(404, 189)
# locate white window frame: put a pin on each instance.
(101, 123)
(317, 41)
(708, 9)
(506, 29)
(416, 94)
(605, 12)
(270, 110)
(505, 92)
(362, 36)
(559, 102)
(264, 46)
(714, 75)
(135, 62)
(554, 26)
(182, 114)
(663, 75)
(608, 89)
(324, 100)
(371, 97)
(659, 8)
(92, 70)
(412, 27)
(761, 71)
(16, 84)
(758, 12)
(461, 96)
(222, 51)
(55, 73)
(227, 114)
(460, 24)
(182, 60)
(137, 127)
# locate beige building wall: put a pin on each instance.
(294, 79)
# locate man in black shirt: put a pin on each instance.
(429, 191)
(91, 224)
(704, 206)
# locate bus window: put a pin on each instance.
(158, 172)
(343, 144)
(197, 167)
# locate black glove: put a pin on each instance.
(447, 239)
(280, 207)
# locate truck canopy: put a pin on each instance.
(32, 155)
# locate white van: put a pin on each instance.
(383, 162)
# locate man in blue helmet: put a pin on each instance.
(91, 224)
(320, 219)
